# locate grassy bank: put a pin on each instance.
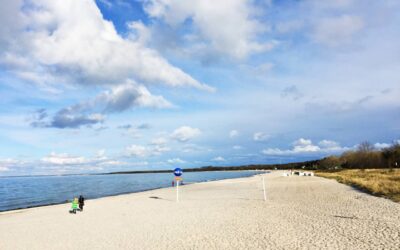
(381, 182)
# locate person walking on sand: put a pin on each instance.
(74, 206)
(81, 202)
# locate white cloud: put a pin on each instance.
(128, 95)
(119, 98)
(142, 151)
(61, 163)
(3, 169)
(8, 164)
(159, 149)
(228, 27)
(334, 31)
(219, 159)
(185, 133)
(159, 141)
(83, 47)
(260, 136)
(111, 163)
(176, 161)
(237, 147)
(233, 133)
(137, 151)
(64, 159)
(381, 145)
(329, 145)
(305, 146)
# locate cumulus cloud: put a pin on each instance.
(130, 126)
(64, 159)
(330, 145)
(118, 99)
(159, 141)
(69, 117)
(60, 163)
(140, 151)
(137, 151)
(3, 169)
(237, 147)
(233, 133)
(260, 136)
(68, 42)
(306, 146)
(8, 164)
(381, 145)
(185, 133)
(66, 118)
(144, 126)
(126, 96)
(228, 27)
(218, 159)
(303, 145)
(176, 161)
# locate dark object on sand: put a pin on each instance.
(81, 202)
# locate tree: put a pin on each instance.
(391, 155)
(331, 162)
(365, 147)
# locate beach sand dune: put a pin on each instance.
(300, 213)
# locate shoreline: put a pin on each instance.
(127, 193)
(135, 172)
(299, 213)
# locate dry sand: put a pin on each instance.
(300, 213)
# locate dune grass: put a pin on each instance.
(380, 182)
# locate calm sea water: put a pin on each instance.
(23, 192)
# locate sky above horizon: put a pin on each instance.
(100, 86)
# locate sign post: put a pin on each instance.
(177, 191)
(177, 172)
(265, 196)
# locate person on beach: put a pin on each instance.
(81, 202)
(74, 206)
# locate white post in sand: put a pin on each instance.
(177, 190)
(265, 196)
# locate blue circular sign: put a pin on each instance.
(178, 172)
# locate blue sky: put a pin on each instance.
(100, 86)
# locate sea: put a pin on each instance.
(33, 191)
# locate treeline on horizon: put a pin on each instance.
(366, 156)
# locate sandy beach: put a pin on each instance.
(300, 213)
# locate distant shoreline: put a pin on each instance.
(252, 167)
